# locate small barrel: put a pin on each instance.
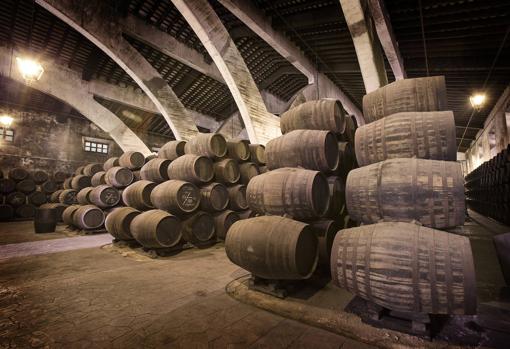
(176, 196)
(226, 171)
(323, 114)
(92, 169)
(88, 217)
(98, 178)
(263, 169)
(336, 197)
(68, 197)
(237, 197)
(54, 197)
(17, 174)
(39, 176)
(136, 176)
(45, 220)
(311, 149)
(36, 198)
(138, 195)
(132, 160)
(150, 157)
(406, 267)
(198, 228)
(428, 191)
(214, 197)
(80, 181)
(6, 212)
(238, 150)
(118, 222)
(49, 187)
(273, 247)
(212, 145)
(191, 168)
(26, 186)
(346, 159)
(257, 154)
(425, 135)
(104, 196)
(299, 193)
(79, 170)
(350, 129)
(7, 185)
(156, 170)
(407, 95)
(172, 150)
(58, 207)
(246, 214)
(83, 196)
(67, 183)
(60, 176)
(25, 211)
(68, 214)
(118, 177)
(16, 199)
(325, 230)
(223, 221)
(111, 162)
(156, 229)
(247, 171)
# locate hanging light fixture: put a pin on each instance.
(30, 69)
(6, 120)
(477, 101)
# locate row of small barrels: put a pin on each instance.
(496, 210)
(494, 172)
(499, 194)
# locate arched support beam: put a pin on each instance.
(89, 19)
(261, 125)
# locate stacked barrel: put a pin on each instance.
(409, 185)
(488, 187)
(22, 191)
(300, 198)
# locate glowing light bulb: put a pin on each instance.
(30, 70)
(477, 100)
(6, 120)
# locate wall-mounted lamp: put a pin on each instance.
(30, 70)
(6, 120)
(477, 101)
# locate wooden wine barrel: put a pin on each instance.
(136, 176)
(80, 181)
(406, 267)
(138, 195)
(257, 154)
(263, 169)
(223, 221)
(45, 220)
(246, 214)
(17, 174)
(98, 178)
(238, 150)
(350, 129)
(172, 150)
(336, 197)
(111, 162)
(176, 197)
(26, 186)
(7, 185)
(49, 187)
(156, 170)
(54, 197)
(428, 191)
(39, 176)
(68, 214)
(198, 228)
(150, 157)
(298, 193)
(212, 145)
(325, 230)
(68, 197)
(118, 222)
(92, 169)
(237, 197)
(408, 95)
(191, 168)
(323, 114)
(311, 149)
(88, 217)
(58, 207)
(425, 135)
(247, 171)
(6, 212)
(79, 170)
(67, 183)
(226, 171)
(132, 160)
(16, 199)
(214, 197)
(36, 198)
(104, 196)
(273, 247)
(156, 229)
(25, 211)
(83, 196)
(346, 159)
(118, 177)
(60, 176)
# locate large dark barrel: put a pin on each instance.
(214, 197)
(323, 114)
(296, 192)
(45, 220)
(98, 178)
(428, 191)
(172, 150)
(223, 221)
(238, 150)
(25, 211)
(420, 94)
(49, 187)
(17, 174)
(247, 171)
(138, 195)
(7, 185)
(54, 197)
(67, 183)
(425, 135)
(80, 181)
(68, 214)
(6, 212)
(257, 154)
(92, 169)
(60, 176)
(104, 196)
(350, 129)
(119, 177)
(273, 247)
(68, 197)
(156, 229)
(36, 198)
(406, 267)
(237, 197)
(118, 222)
(198, 228)
(58, 207)
(212, 145)
(325, 230)
(132, 160)
(346, 159)
(156, 170)
(111, 162)
(191, 168)
(336, 197)
(226, 171)
(26, 186)
(311, 149)
(39, 176)
(83, 196)
(176, 196)
(88, 217)
(16, 199)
